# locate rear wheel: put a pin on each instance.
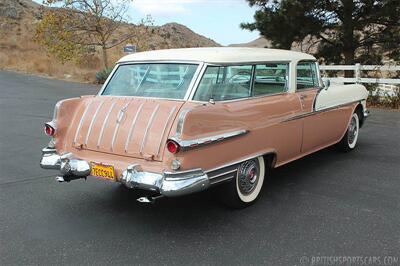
(245, 188)
(349, 140)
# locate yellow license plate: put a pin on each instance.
(104, 171)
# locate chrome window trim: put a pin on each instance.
(107, 81)
(244, 99)
(253, 64)
(308, 89)
(142, 97)
(320, 81)
(248, 63)
(191, 86)
(295, 75)
(252, 80)
(197, 82)
(193, 62)
(287, 77)
(189, 89)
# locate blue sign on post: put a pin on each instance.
(130, 49)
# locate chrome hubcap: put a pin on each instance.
(353, 130)
(248, 173)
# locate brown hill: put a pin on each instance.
(308, 45)
(260, 42)
(19, 52)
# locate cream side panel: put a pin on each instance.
(340, 94)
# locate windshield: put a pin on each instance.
(166, 80)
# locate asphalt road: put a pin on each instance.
(327, 204)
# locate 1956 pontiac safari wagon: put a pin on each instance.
(175, 122)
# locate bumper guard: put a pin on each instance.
(170, 184)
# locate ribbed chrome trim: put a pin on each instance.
(92, 122)
(188, 144)
(128, 139)
(239, 161)
(222, 174)
(81, 121)
(148, 127)
(165, 128)
(104, 124)
(222, 180)
(119, 120)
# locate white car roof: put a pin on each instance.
(218, 55)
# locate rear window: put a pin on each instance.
(166, 80)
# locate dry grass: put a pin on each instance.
(19, 52)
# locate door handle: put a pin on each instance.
(302, 97)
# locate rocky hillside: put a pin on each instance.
(260, 42)
(307, 46)
(18, 51)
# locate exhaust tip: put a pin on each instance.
(60, 179)
(145, 200)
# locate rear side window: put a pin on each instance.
(307, 76)
(222, 83)
(271, 78)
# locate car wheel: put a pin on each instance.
(245, 188)
(349, 140)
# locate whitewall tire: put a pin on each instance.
(245, 188)
(350, 138)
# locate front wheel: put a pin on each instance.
(245, 188)
(349, 140)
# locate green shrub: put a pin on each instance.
(102, 75)
(378, 98)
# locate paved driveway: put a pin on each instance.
(327, 204)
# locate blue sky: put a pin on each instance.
(215, 19)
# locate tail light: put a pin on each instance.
(173, 147)
(49, 130)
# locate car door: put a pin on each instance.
(319, 129)
(257, 98)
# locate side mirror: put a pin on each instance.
(327, 84)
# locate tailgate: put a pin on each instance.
(135, 127)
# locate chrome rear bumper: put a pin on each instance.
(170, 184)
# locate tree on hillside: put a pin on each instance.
(73, 27)
(347, 31)
(142, 33)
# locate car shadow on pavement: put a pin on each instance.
(174, 211)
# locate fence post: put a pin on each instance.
(357, 73)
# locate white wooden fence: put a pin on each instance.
(358, 69)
